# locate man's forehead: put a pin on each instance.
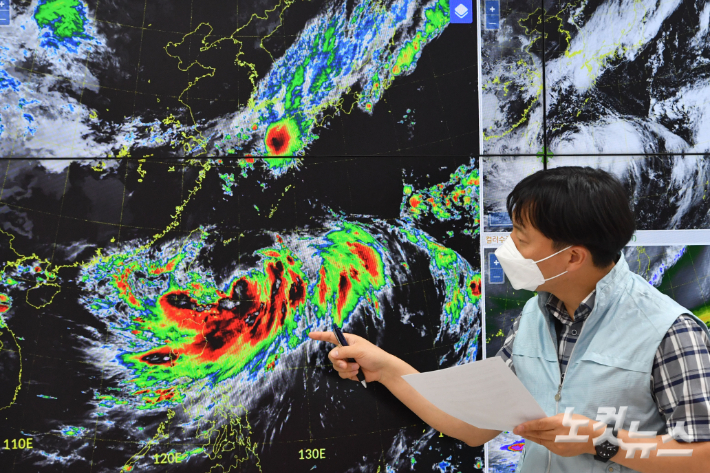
(521, 224)
(524, 227)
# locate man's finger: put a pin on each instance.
(348, 375)
(546, 423)
(324, 336)
(541, 434)
(334, 358)
(342, 353)
(533, 439)
(341, 365)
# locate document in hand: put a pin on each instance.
(485, 393)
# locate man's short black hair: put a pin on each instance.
(576, 206)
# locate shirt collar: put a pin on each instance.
(558, 310)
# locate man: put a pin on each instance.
(595, 336)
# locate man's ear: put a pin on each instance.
(578, 257)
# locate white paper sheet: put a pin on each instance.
(485, 393)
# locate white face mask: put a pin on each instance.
(522, 272)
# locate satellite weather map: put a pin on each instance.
(163, 323)
(188, 189)
(588, 77)
(219, 78)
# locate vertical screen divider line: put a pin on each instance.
(482, 301)
(479, 46)
(544, 91)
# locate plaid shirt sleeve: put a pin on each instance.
(680, 378)
(506, 351)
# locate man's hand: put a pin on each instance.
(544, 431)
(378, 365)
(373, 360)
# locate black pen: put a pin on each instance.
(344, 343)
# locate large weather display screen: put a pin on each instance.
(192, 187)
(221, 78)
(154, 316)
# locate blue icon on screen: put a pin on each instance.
(4, 12)
(461, 11)
(492, 9)
(495, 270)
(499, 219)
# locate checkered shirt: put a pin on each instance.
(680, 378)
